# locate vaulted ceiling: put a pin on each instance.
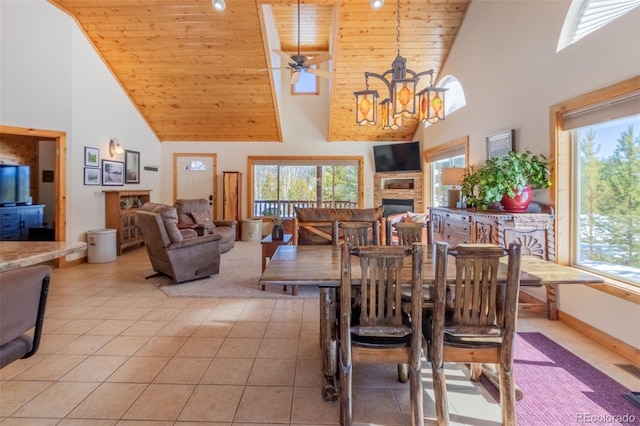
(193, 73)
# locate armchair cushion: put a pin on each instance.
(203, 219)
(170, 218)
(418, 217)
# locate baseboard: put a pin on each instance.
(612, 343)
(75, 262)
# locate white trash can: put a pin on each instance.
(252, 230)
(101, 245)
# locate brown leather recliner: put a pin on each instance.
(171, 254)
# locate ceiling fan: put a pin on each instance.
(301, 63)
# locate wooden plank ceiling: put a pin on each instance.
(193, 72)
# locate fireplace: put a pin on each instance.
(396, 206)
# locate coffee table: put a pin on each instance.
(269, 247)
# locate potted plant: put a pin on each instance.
(508, 179)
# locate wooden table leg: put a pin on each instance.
(551, 301)
(264, 260)
(328, 343)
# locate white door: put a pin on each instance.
(195, 177)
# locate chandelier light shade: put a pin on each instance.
(435, 101)
(366, 105)
(404, 97)
(403, 101)
(431, 104)
(389, 121)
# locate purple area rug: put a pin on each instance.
(561, 389)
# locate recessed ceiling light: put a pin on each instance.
(377, 4)
(218, 5)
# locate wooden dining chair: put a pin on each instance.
(409, 233)
(481, 325)
(360, 233)
(376, 330)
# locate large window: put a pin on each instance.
(595, 155)
(278, 184)
(607, 188)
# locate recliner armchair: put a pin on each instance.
(171, 254)
(23, 297)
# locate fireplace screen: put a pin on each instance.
(392, 206)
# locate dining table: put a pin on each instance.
(319, 265)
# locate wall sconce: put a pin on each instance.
(115, 148)
(452, 176)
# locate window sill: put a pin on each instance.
(619, 289)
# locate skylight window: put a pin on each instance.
(586, 16)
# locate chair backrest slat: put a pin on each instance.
(380, 283)
(476, 290)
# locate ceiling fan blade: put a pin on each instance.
(295, 77)
(283, 55)
(318, 59)
(272, 69)
(320, 73)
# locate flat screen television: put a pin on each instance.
(397, 157)
(14, 185)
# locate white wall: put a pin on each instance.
(304, 121)
(51, 78)
(505, 58)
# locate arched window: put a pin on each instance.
(586, 16)
(455, 98)
(195, 165)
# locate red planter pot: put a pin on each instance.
(519, 203)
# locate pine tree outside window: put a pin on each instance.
(607, 188)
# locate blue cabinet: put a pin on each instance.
(16, 221)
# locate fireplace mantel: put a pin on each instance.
(399, 186)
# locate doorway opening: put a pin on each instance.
(33, 137)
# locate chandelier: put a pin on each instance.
(403, 101)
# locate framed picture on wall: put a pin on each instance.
(500, 144)
(132, 166)
(91, 176)
(112, 173)
(91, 157)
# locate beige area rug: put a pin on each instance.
(240, 270)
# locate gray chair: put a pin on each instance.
(23, 297)
(183, 259)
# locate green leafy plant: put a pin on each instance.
(507, 174)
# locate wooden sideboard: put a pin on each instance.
(534, 230)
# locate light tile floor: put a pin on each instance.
(117, 351)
